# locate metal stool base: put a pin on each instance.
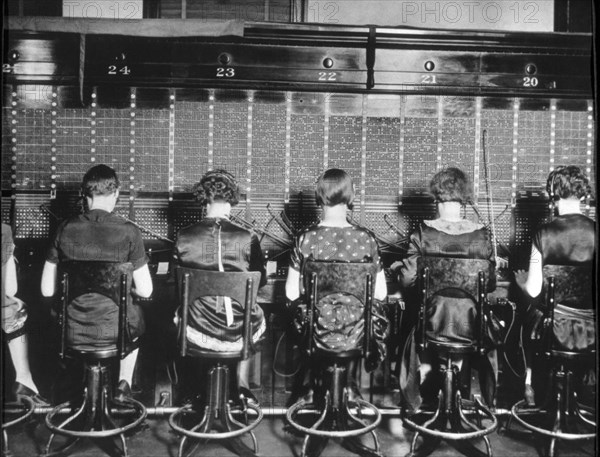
(94, 411)
(29, 407)
(561, 411)
(336, 420)
(449, 418)
(219, 412)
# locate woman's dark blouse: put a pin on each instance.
(98, 235)
(567, 240)
(197, 246)
(450, 318)
(438, 238)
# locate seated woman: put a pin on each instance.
(447, 236)
(334, 238)
(568, 240)
(14, 317)
(215, 243)
(100, 235)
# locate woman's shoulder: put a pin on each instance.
(568, 223)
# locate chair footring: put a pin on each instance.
(232, 427)
(98, 424)
(104, 432)
(342, 418)
(456, 417)
(337, 422)
(29, 408)
(560, 420)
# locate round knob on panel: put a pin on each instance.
(429, 65)
(328, 62)
(531, 69)
(224, 58)
(14, 55)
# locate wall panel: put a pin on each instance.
(277, 143)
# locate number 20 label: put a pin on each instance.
(530, 81)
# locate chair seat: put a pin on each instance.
(328, 354)
(92, 355)
(196, 352)
(574, 355)
(452, 348)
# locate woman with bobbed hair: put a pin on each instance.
(215, 243)
(447, 236)
(333, 238)
(569, 239)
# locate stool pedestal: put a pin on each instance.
(562, 414)
(218, 415)
(449, 422)
(93, 416)
(336, 418)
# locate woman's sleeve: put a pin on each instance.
(296, 256)
(407, 273)
(8, 245)
(376, 253)
(137, 253)
(256, 259)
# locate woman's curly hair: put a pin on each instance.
(217, 185)
(567, 182)
(99, 180)
(450, 185)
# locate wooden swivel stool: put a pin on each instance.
(339, 416)
(217, 421)
(562, 417)
(455, 277)
(93, 418)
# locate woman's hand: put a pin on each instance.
(501, 262)
(521, 278)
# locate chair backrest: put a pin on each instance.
(572, 286)
(323, 278)
(111, 279)
(469, 278)
(241, 286)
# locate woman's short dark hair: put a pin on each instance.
(217, 185)
(450, 185)
(567, 182)
(99, 180)
(334, 187)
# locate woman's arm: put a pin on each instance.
(380, 286)
(11, 284)
(531, 282)
(142, 282)
(292, 284)
(257, 261)
(49, 279)
(407, 268)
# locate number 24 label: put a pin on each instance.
(113, 70)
